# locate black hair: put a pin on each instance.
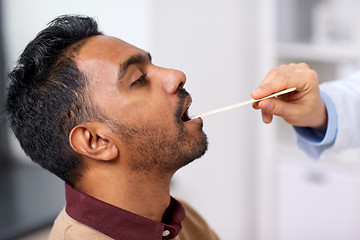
(47, 95)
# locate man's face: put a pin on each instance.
(145, 105)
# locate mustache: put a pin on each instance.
(182, 94)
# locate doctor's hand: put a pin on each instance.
(303, 107)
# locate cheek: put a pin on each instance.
(138, 107)
(139, 112)
(153, 107)
(162, 110)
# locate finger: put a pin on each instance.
(266, 117)
(303, 65)
(274, 81)
(255, 105)
(283, 77)
(275, 107)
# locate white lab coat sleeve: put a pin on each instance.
(314, 142)
(345, 95)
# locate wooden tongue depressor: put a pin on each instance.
(243, 103)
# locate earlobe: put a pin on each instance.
(93, 140)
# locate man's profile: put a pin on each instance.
(95, 111)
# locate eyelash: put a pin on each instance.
(140, 80)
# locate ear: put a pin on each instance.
(94, 140)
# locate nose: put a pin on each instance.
(173, 80)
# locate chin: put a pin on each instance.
(197, 148)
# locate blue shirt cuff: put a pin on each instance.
(314, 142)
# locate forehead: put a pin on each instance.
(106, 48)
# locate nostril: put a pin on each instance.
(180, 86)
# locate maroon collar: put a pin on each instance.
(118, 223)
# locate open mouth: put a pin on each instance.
(185, 117)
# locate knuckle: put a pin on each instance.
(273, 72)
(277, 110)
(283, 67)
(303, 64)
(313, 74)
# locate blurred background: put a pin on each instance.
(253, 183)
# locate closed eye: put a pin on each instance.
(140, 80)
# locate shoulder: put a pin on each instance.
(194, 226)
(66, 228)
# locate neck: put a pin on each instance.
(141, 193)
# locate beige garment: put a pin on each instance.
(194, 227)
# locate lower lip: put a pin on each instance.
(195, 120)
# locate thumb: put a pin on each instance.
(274, 107)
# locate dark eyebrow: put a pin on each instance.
(134, 59)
